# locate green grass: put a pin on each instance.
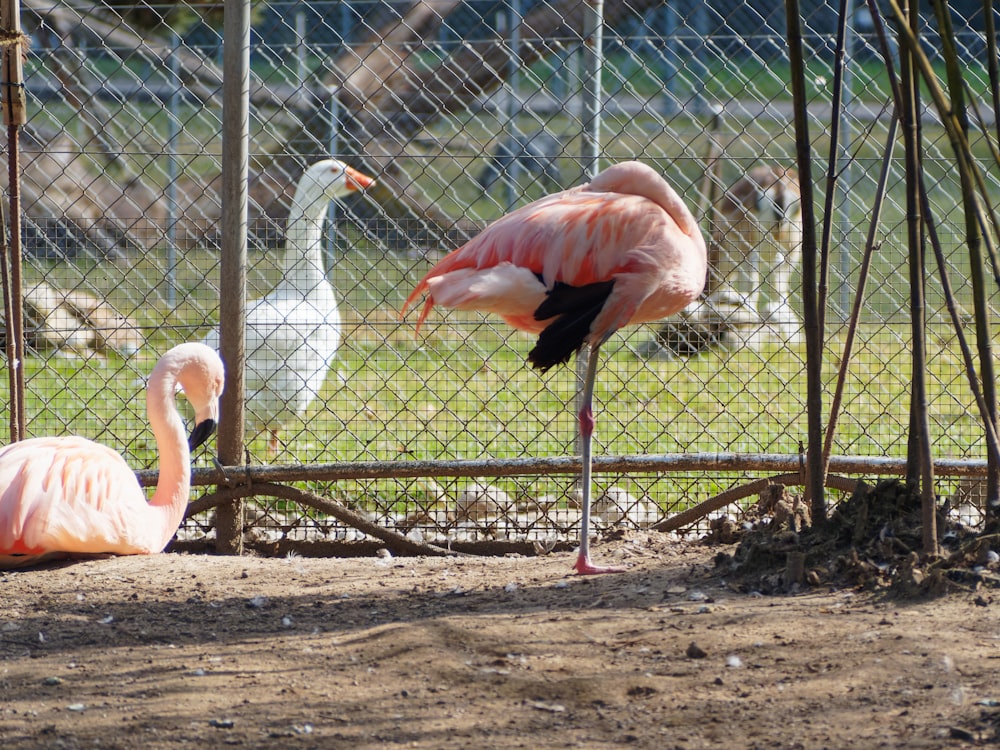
(462, 389)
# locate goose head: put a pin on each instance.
(329, 179)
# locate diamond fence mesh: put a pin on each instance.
(461, 111)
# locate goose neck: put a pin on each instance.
(303, 264)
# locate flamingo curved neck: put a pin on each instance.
(170, 499)
(302, 267)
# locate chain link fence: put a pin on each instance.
(460, 111)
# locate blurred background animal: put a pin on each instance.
(755, 248)
(536, 155)
(757, 245)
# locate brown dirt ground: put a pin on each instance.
(505, 652)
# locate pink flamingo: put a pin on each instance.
(68, 496)
(574, 267)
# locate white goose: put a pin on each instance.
(292, 334)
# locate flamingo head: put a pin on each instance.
(200, 374)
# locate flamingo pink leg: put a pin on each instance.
(583, 565)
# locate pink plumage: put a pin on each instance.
(66, 496)
(576, 266)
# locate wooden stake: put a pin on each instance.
(13, 43)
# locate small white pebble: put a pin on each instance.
(107, 620)
(733, 661)
(257, 602)
(383, 553)
(510, 587)
(76, 707)
(287, 621)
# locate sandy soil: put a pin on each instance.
(191, 650)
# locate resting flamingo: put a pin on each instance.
(574, 267)
(292, 334)
(68, 496)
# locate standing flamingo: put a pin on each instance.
(574, 267)
(292, 334)
(65, 496)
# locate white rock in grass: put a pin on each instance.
(480, 502)
(969, 502)
(423, 518)
(425, 505)
(538, 505)
(616, 507)
(426, 493)
(614, 504)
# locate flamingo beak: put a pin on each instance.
(356, 180)
(202, 432)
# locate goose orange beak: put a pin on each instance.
(356, 180)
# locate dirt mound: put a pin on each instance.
(871, 540)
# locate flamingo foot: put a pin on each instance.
(585, 567)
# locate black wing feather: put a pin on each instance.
(573, 309)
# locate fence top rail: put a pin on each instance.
(666, 463)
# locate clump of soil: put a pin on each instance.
(871, 540)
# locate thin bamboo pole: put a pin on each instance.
(832, 165)
(920, 471)
(974, 241)
(859, 297)
(812, 320)
(989, 426)
(977, 213)
(992, 62)
(959, 143)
